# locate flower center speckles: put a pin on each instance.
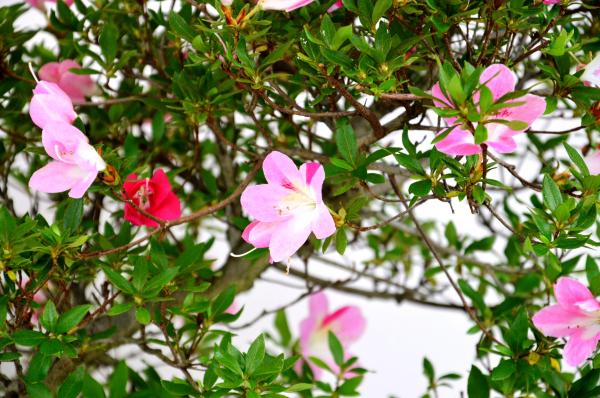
(143, 195)
(300, 198)
(503, 113)
(62, 154)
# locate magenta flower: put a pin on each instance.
(77, 87)
(591, 75)
(347, 323)
(575, 317)
(153, 195)
(76, 163)
(50, 104)
(335, 6)
(592, 161)
(288, 208)
(500, 80)
(552, 1)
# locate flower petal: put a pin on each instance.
(262, 201)
(592, 72)
(83, 184)
(259, 233)
(58, 135)
(56, 176)
(280, 169)
(592, 161)
(558, 321)
(458, 142)
(347, 323)
(169, 209)
(50, 72)
(289, 236)
(499, 79)
(569, 292)
(578, 349)
(323, 225)
(442, 101)
(313, 174)
(51, 106)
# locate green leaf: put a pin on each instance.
(577, 159)
(142, 315)
(108, 40)
(117, 279)
(71, 318)
(255, 355)
(282, 326)
(551, 193)
(336, 348)
(504, 370)
(156, 283)
(158, 127)
(72, 385)
(49, 316)
(119, 309)
(381, 7)
(28, 338)
(38, 390)
(486, 99)
(481, 134)
(223, 301)
(73, 215)
(341, 241)
(346, 142)
(181, 28)
(299, 387)
(593, 275)
(477, 385)
(179, 387)
(420, 188)
(91, 388)
(118, 381)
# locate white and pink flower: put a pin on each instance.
(347, 323)
(575, 317)
(288, 208)
(500, 80)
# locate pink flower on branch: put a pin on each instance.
(288, 208)
(576, 317)
(592, 161)
(154, 196)
(76, 163)
(77, 87)
(291, 5)
(335, 6)
(591, 75)
(40, 3)
(347, 323)
(552, 1)
(500, 81)
(50, 104)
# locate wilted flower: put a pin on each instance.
(575, 317)
(288, 208)
(77, 87)
(347, 323)
(500, 80)
(154, 196)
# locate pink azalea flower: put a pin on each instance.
(347, 323)
(500, 80)
(288, 208)
(592, 161)
(77, 87)
(575, 317)
(153, 195)
(336, 6)
(39, 297)
(283, 5)
(591, 75)
(50, 104)
(552, 1)
(76, 163)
